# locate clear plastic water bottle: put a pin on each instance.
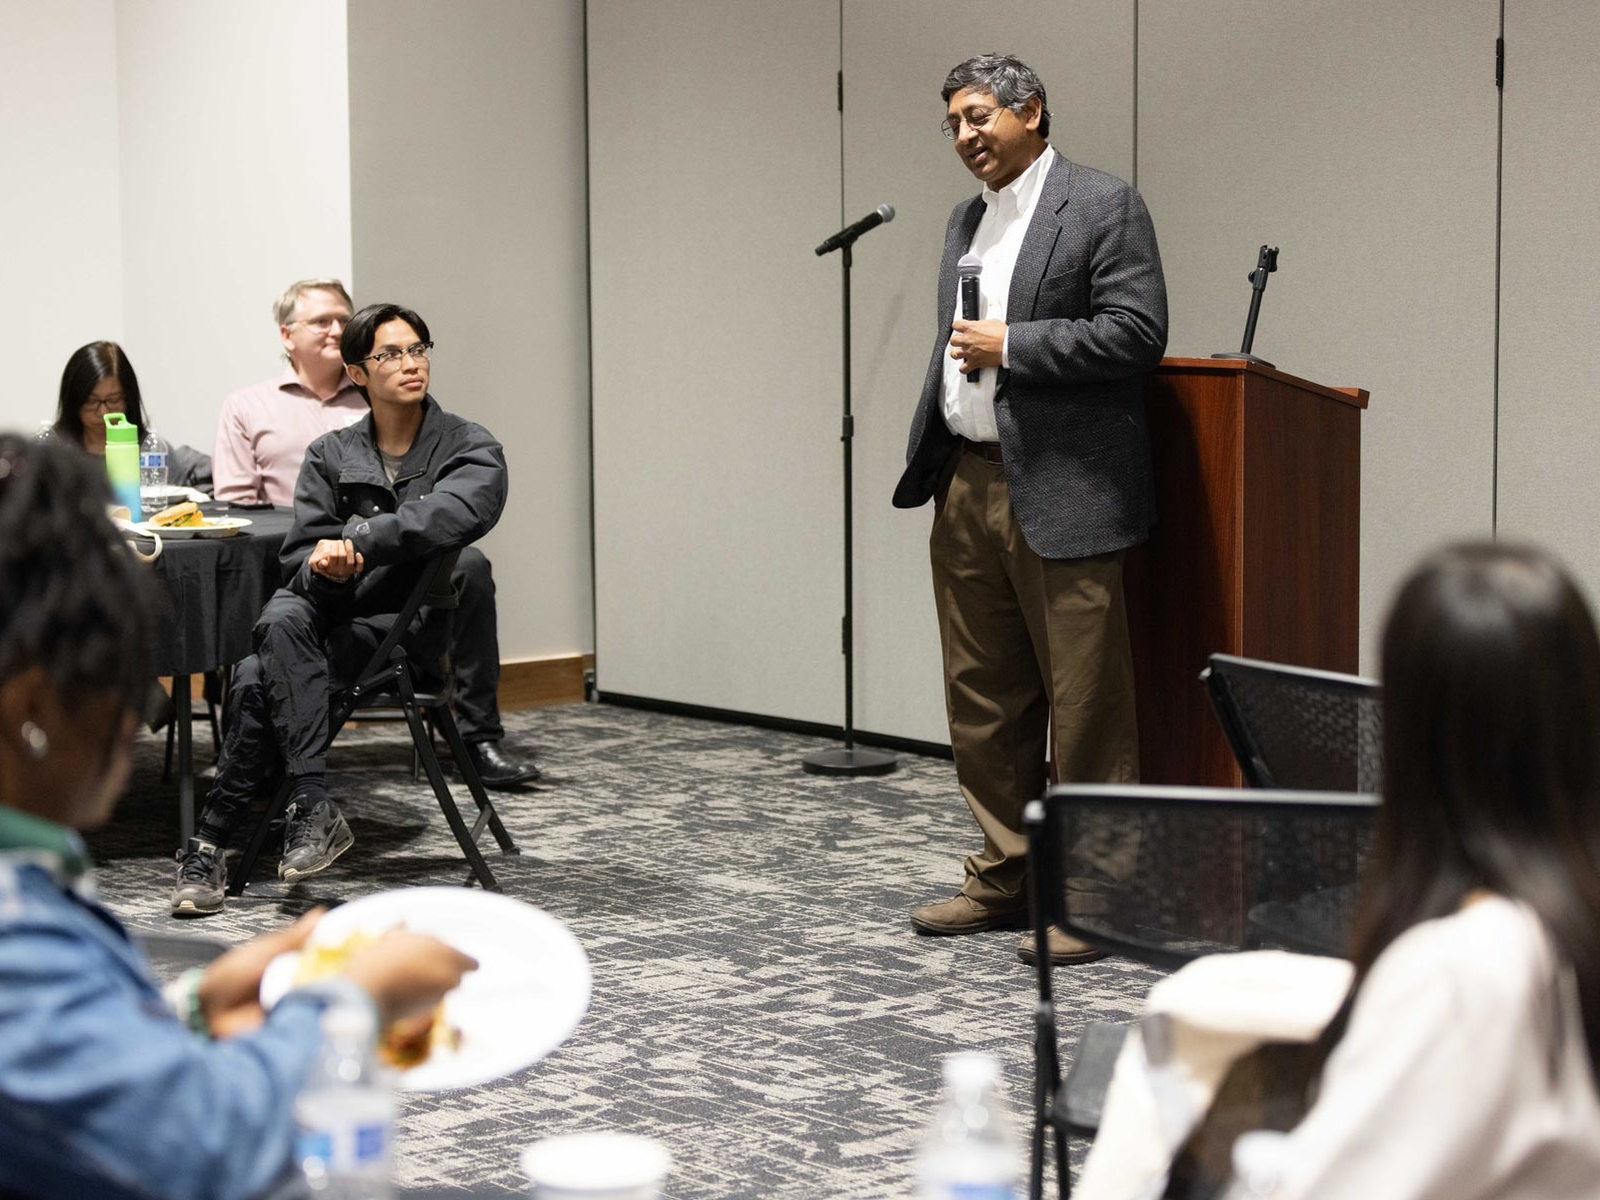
(153, 472)
(970, 1152)
(345, 1112)
(1258, 1161)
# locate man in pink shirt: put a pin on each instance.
(264, 430)
(262, 435)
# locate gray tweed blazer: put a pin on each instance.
(1088, 319)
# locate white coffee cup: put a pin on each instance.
(596, 1166)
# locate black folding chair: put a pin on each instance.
(215, 687)
(1211, 870)
(1293, 727)
(387, 681)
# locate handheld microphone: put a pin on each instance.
(878, 216)
(969, 268)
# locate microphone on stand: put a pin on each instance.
(878, 216)
(969, 268)
(1266, 264)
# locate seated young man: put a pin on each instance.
(373, 501)
(262, 435)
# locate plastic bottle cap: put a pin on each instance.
(970, 1069)
(1258, 1159)
(349, 1020)
(119, 430)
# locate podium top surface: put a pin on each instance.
(1355, 397)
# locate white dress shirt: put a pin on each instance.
(969, 407)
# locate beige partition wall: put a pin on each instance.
(1359, 137)
(233, 132)
(62, 214)
(467, 189)
(1550, 302)
(896, 55)
(714, 171)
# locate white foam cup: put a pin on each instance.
(596, 1166)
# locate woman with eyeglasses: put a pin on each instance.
(108, 1087)
(99, 379)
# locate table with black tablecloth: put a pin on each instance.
(217, 588)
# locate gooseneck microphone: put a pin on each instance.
(878, 216)
(969, 268)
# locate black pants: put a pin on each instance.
(475, 649)
(277, 719)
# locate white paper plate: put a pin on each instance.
(528, 994)
(215, 527)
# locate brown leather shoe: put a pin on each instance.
(962, 914)
(1064, 949)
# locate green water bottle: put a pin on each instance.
(122, 463)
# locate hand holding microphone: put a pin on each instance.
(976, 343)
(969, 268)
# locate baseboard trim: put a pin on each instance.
(537, 682)
(883, 741)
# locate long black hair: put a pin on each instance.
(73, 599)
(89, 366)
(1491, 741)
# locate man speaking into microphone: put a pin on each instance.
(1030, 438)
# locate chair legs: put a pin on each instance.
(469, 773)
(240, 875)
(416, 754)
(441, 789)
(1044, 901)
(420, 722)
(1046, 1089)
(468, 838)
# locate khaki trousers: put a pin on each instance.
(1030, 645)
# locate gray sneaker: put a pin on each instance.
(315, 837)
(202, 878)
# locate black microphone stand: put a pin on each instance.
(848, 760)
(1266, 263)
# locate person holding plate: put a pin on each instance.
(108, 1087)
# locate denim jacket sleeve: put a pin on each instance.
(104, 1092)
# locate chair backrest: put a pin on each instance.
(1293, 727)
(1166, 874)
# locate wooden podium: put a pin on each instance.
(1255, 551)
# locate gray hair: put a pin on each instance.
(283, 307)
(1009, 80)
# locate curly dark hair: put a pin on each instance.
(73, 598)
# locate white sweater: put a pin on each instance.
(1463, 1074)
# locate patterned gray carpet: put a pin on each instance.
(760, 1002)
